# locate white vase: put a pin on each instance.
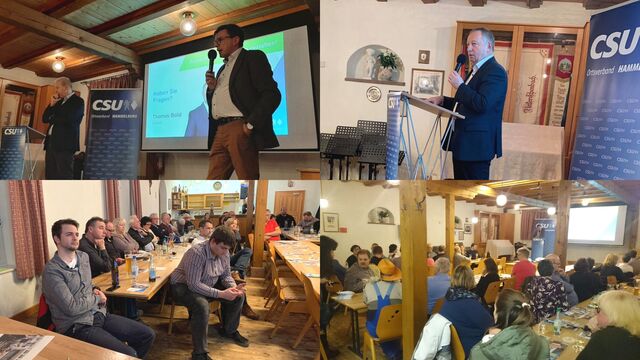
(385, 74)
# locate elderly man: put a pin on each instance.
(439, 283)
(558, 275)
(114, 253)
(144, 237)
(64, 115)
(168, 230)
(202, 276)
(476, 139)
(358, 275)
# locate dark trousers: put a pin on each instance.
(471, 170)
(198, 306)
(111, 331)
(240, 261)
(58, 165)
(233, 150)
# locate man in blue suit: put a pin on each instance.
(477, 139)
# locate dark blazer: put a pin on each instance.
(586, 284)
(479, 136)
(66, 119)
(141, 240)
(255, 93)
(98, 259)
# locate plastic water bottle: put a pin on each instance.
(152, 270)
(134, 270)
(557, 323)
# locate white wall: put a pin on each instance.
(353, 201)
(124, 198)
(406, 26)
(311, 195)
(150, 196)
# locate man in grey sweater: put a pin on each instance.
(77, 308)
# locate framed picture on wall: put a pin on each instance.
(330, 222)
(467, 228)
(426, 83)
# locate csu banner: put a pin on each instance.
(608, 138)
(394, 112)
(14, 143)
(114, 134)
(543, 238)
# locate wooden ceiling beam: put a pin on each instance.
(614, 190)
(142, 15)
(19, 15)
(514, 198)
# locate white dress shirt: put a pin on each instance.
(221, 104)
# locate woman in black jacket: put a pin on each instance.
(585, 283)
(489, 275)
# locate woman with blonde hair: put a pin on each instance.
(616, 327)
(463, 308)
(121, 240)
(610, 268)
(512, 338)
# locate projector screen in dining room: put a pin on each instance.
(597, 225)
(176, 112)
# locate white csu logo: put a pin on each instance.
(617, 43)
(12, 131)
(114, 105)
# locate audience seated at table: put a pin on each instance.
(169, 231)
(143, 237)
(92, 244)
(489, 275)
(523, 268)
(458, 258)
(155, 227)
(204, 234)
(202, 276)
(559, 275)
(625, 266)
(472, 252)
(353, 258)
(309, 222)
(634, 262)
(546, 294)
(463, 308)
(115, 255)
(377, 254)
(77, 308)
(585, 283)
(513, 337)
(359, 273)
(438, 284)
(285, 220)
(378, 294)
(272, 230)
(122, 240)
(616, 328)
(609, 268)
(439, 250)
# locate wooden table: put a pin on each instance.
(302, 257)
(61, 347)
(355, 305)
(315, 238)
(164, 267)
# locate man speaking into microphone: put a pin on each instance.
(242, 98)
(476, 139)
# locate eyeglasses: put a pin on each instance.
(220, 39)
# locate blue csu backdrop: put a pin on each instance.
(608, 137)
(114, 134)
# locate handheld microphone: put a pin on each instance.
(212, 57)
(461, 60)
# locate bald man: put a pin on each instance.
(64, 115)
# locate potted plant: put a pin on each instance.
(388, 63)
(383, 216)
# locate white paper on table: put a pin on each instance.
(23, 347)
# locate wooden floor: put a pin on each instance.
(178, 345)
(339, 336)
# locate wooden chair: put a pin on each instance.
(214, 307)
(480, 269)
(502, 264)
(313, 307)
(437, 306)
(457, 351)
(389, 328)
(292, 297)
(491, 294)
(277, 280)
(431, 270)
(509, 283)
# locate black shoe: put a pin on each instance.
(236, 337)
(201, 357)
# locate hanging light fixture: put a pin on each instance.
(501, 200)
(585, 202)
(58, 65)
(324, 203)
(188, 26)
(551, 210)
(474, 220)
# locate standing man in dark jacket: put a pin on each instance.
(64, 115)
(477, 138)
(242, 98)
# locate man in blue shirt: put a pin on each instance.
(439, 283)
